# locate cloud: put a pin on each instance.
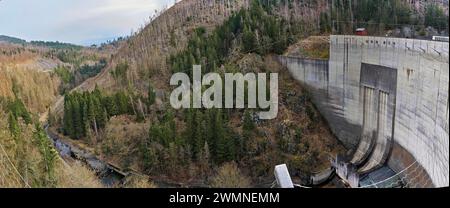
(111, 8)
(76, 21)
(107, 18)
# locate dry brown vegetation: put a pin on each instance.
(229, 176)
(146, 54)
(138, 181)
(20, 158)
(311, 47)
(30, 71)
(292, 115)
(33, 68)
(76, 175)
(38, 89)
(121, 140)
(147, 51)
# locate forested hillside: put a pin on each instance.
(29, 72)
(147, 51)
(383, 15)
(112, 100)
(45, 70)
(128, 121)
(32, 77)
(7, 39)
(27, 157)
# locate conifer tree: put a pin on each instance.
(221, 139)
(211, 130)
(247, 132)
(206, 153)
(189, 131)
(151, 97)
(68, 118)
(77, 119)
(248, 39)
(51, 118)
(103, 118)
(122, 103)
(207, 128)
(84, 117)
(111, 106)
(173, 159)
(150, 157)
(248, 122)
(49, 156)
(198, 139)
(204, 160)
(13, 125)
(91, 115)
(19, 110)
(170, 124)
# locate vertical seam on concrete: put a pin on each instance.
(437, 98)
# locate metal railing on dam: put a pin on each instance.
(386, 99)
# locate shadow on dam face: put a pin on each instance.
(386, 99)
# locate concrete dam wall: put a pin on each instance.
(386, 99)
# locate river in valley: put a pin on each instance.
(108, 175)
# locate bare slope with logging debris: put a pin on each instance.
(147, 51)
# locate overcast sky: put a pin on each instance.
(75, 21)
